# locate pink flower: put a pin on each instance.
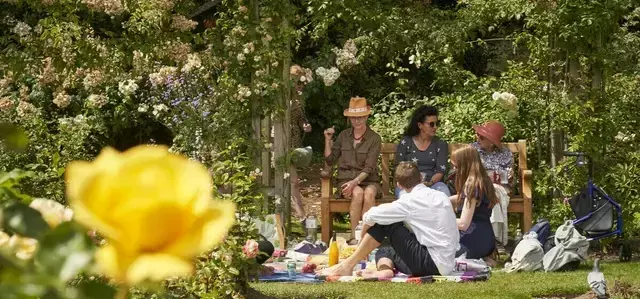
(250, 249)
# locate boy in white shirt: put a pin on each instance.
(425, 246)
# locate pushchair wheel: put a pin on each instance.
(624, 252)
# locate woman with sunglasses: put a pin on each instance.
(421, 146)
(356, 151)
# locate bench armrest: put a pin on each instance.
(325, 186)
(526, 182)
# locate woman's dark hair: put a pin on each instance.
(419, 115)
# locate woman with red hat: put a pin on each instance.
(496, 159)
(356, 151)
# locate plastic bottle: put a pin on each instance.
(359, 231)
(334, 252)
(312, 227)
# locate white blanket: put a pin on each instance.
(499, 218)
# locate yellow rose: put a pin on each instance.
(155, 207)
(52, 212)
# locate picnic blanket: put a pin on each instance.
(457, 276)
(282, 276)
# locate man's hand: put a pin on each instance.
(328, 133)
(347, 188)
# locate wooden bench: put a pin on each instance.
(519, 202)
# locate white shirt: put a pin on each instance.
(429, 214)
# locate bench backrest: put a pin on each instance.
(388, 151)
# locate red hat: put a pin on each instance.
(493, 130)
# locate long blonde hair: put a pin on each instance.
(471, 177)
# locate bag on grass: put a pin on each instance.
(527, 256)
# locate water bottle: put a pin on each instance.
(291, 269)
(312, 228)
(359, 231)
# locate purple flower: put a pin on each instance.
(205, 113)
(176, 102)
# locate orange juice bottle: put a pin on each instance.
(334, 252)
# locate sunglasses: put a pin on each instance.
(433, 123)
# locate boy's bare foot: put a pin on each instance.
(490, 262)
(336, 270)
(371, 273)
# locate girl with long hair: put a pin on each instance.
(474, 202)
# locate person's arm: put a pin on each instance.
(453, 199)
(331, 149)
(510, 173)
(442, 158)
(401, 153)
(387, 213)
(371, 161)
(468, 208)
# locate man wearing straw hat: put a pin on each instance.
(356, 151)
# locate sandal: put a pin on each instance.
(352, 241)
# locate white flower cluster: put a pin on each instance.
(255, 173)
(508, 102)
(96, 100)
(141, 61)
(6, 103)
(143, 108)
(160, 77)
(22, 29)
(127, 87)
(329, 76)
(110, 7)
(346, 57)
(157, 109)
(625, 137)
(77, 121)
(52, 212)
(243, 92)
(26, 109)
(193, 63)
(93, 79)
(62, 100)
(308, 76)
(181, 23)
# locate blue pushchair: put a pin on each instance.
(598, 216)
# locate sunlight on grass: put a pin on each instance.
(500, 285)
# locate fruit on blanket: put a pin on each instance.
(347, 251)
(309, 268)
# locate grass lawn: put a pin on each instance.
(500, 285)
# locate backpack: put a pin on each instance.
(571, 249)
(543, 229)
(527, 255)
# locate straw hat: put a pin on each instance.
(357, 107)
(493, 130)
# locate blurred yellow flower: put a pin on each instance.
(155, 207)
(52, 212)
